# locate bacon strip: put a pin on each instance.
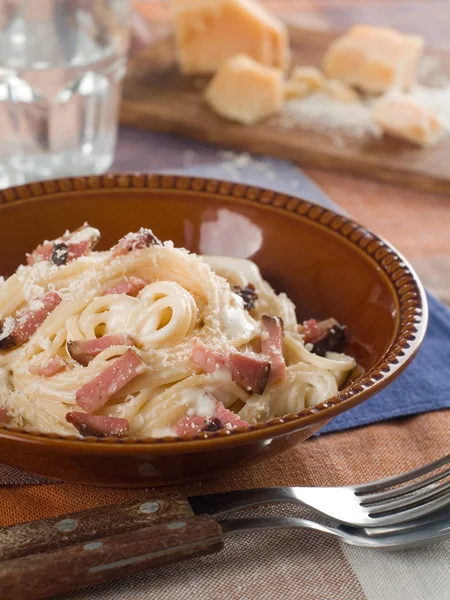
(272, 346)
(65, 248)
(222, 417)
(130, 287)
(14, 332)
(83, 351)
(144, 238)
(94, 394)
(250, 372)
(98, 425)
(53, 366)
(4, 416)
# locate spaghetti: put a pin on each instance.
(147, 340)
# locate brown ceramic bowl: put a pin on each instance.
(326, 263)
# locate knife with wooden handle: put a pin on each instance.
(53, 556)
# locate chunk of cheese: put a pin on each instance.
(312, 76)
(341, 91)
(211, 31)
(402, 117)
(245, 91)
(374, 59)
(296, 89)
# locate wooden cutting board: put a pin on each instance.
(157, 97)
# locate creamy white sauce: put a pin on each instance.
(239, 322)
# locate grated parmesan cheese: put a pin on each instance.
(32, 292)
(319, 112)
(7, 328)
(324, 114)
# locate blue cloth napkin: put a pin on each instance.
(425, 385)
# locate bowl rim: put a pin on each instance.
(407, 288)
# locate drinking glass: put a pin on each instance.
(62, 63)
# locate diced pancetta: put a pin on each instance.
(83, 351)
(42, 253)
(251, 373)
(144, 238)
(131, 287)
(272, 346)
(191, 425)
(312, 330)
(325, 336)
(76, 250)
(98, 425)
(53, 366)
(223, 418)
(94, 394)
(69, 246)
(206, 358)
(4, 416)
(228, 417)
(16, 331)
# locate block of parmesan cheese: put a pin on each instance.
(210, 31)
(402, 117)
(374, 59)
(245, 91)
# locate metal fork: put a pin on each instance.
(418, 533)
(373, 504)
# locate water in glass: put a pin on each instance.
(61, 67)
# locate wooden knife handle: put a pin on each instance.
(43, 574)
(66, 530)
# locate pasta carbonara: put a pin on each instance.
(149, 340)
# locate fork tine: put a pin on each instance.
(412, 513)
(381, 484)
(401, 491)
(439, 516)
(411, 501)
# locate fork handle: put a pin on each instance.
(36, 576)
(225, 503)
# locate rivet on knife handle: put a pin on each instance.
(50, 534)
(47, 573)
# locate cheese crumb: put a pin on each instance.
(296, 89)
(7, 328)
(340, 91)
(309, 75)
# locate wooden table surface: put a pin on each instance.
(417, 223)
